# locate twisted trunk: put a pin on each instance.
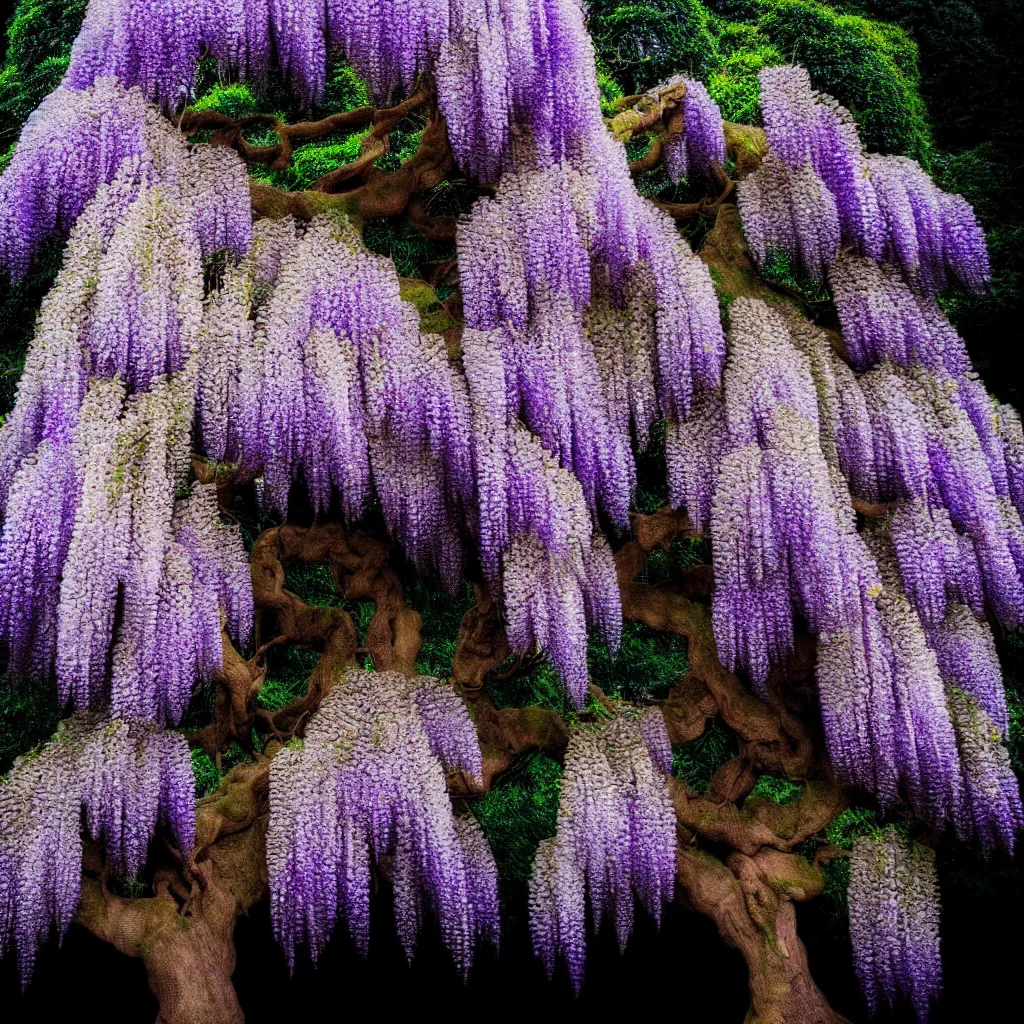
(189, 959)
(751, 903)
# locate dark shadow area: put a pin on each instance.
(684, 965)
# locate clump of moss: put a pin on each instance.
(697, 761)
(520, 810)
(775, 788)
(27, 717)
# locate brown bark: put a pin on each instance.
(359, 565)
(184, 932)
(504, 734)
(189, 959)
(751, 903)
(228, 132)
(482, 645)
(237, 684)
(377, 194)
(773, 738)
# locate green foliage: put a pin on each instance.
(697, 761)
(410, 250)
(345, 89)
(313, 582)
(733, 83)
(989, 177)
(520, 810)
(39, 38)
(648, 663)
(645, 43)
(1012, 656)
(536, 683)
(231, 99)
(207, 775)
(779, 270)
(775, 788)
(610, 90)
(18, 305)
(128, 888)
(651, 474)
(27, 717)
(441, 616)
(969, 54)
(869, 66)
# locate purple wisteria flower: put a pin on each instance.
(127, 776)
(615, 845)
(367, 785)
(894, 920)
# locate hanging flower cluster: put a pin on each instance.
(494, 64)
(127, 775)
(79, 140)
(531, 260)
(894, 920)
(368, 785)
(882, 318)
(538, 543)
(131, 584)
(891, 606)
(778, 533)
(933, 236)
(817, 188)
(700, 146)
(615, 843)
(990, 806)
(792, 212)
(927, 452)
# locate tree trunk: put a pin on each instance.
(188, 951)
(750, 901)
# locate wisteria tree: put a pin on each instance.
(219, 350)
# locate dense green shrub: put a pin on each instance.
(645, 43)
(869, 66)
(39, 38)
(966, 56)
(733, 83)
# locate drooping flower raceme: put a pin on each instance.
(144, 581)
(809, 129)
(817, 179)
(789, 212)
(933, 236)
(529, 263)
(990, 810)
(615, 845)
(774, 516)
(368, 784)
(127, 775)
(926, 449)
(493, 65)
(80, 140)
(539, 546)
(883, 319)
(701, 144)
(894, 920)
